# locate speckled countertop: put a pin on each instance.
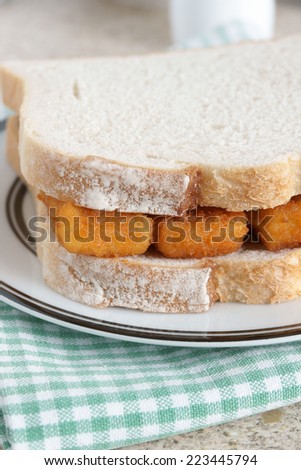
(69, 28)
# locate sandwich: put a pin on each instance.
(169, 181)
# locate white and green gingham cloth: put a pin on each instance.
(61, 389)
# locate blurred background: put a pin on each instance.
(69, 28)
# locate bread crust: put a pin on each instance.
(12, 144)
(163, 192)
(142, 282)
(273, 183)
(245, 189)
(259, 277)
(98, 183)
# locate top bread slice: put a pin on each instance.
(163, 133)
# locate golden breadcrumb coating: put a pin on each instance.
(280, 227)
(203, 232)
(105, 234)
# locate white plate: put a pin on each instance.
(223, 326)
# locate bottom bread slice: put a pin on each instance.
(145, 282)
(155, 284)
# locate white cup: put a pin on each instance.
(196, 18)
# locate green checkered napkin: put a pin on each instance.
(61, 389)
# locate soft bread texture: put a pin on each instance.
(256, 276)
(148, 283)
(153, 283)
(162, 133)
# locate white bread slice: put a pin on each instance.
(161, 133)
(152, 283)
(149, 283)
(155, 284)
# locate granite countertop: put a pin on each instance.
(68, 28)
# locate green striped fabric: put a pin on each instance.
(62, 389)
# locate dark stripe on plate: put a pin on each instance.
(14, 213)
(104, 322)
(2, 125)
(118, 329)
